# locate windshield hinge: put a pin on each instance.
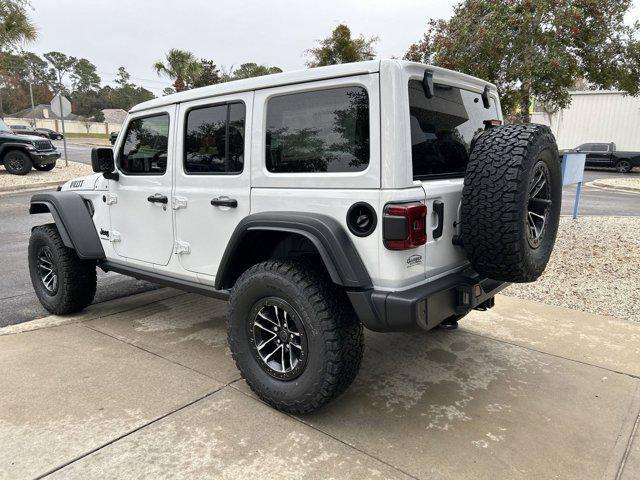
(180, 247)
(115, 236)
(110, 198)
(179, 202)
(485, 97)
(427, 83)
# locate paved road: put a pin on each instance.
(597, 201)
(18, 301)
(75, 152)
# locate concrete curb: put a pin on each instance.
(609, 186)
(31, 186)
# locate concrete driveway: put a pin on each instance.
(145, 387)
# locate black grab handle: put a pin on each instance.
(224, 202)
(157, 198)
(438, 208)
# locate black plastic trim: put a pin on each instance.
(424, 306)
(331, 240)
(162, 279)
(73, 220)
(438, 208)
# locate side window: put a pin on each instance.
(320, 131)
(599, 147)
(586, 147)
(145, 146)
(214, 139)
(443, 128)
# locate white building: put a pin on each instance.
(596, 116)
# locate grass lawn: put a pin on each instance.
(87, 135)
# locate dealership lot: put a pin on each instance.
(145, 386)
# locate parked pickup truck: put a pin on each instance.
(606, 155)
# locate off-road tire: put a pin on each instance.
(76, 278)
(17, 162)
(334, 335)
(623, 166)
(495, 201)
(45, 168)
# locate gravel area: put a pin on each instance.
(595, 267)
(627, 183)
(59, 174)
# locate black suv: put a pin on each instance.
(19, 153)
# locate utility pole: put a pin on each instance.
(33, 108)
(64, 133)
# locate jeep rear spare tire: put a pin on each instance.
(511, 202)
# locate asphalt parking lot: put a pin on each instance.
(145, 387)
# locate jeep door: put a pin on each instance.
(141, 220)
(212, 178)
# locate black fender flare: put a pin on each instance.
(13, 146)
(73, 220)
(329, 237)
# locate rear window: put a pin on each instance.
(443, 127)
(214, 139)
(320, 131)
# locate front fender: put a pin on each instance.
(73, 220)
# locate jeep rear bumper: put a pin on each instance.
(426, 305)
(44, 158)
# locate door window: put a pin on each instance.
(319, 131)
(214, 139)
(145, 147)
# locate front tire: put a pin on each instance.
(294, 335)
(17, 162)
(45, 168)
(63, 282)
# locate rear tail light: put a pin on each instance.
(404, 226)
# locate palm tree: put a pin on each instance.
(181, 66)
(15, 26)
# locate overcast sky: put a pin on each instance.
(136, 33)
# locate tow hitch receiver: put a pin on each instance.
(478, 296)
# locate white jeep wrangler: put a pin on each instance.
(383, 193)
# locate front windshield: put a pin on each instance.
(4, 127)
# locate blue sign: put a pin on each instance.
(572, 173)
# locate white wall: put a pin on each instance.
(595, 116)
(70, 126)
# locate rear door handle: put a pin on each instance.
(438, 208)
(158, 198)
(224, 202)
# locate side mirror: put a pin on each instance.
(102, 162)
(577, 149)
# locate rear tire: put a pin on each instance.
(320, 319)
(45, 168)
(63, 283)
(511, 202)
(623, 166)
(17, 162)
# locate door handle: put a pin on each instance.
(224, 202)
(158, 198)
(438, 208)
